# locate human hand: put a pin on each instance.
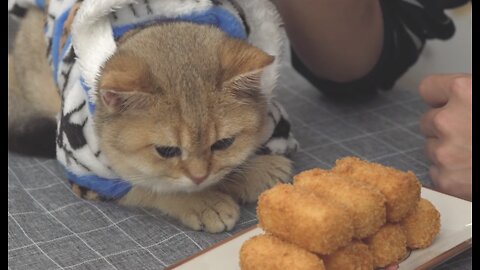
(447, 127)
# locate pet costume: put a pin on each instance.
(81, 37)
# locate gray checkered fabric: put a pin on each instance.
(50, 228)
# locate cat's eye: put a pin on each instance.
(168, 151)
(222, 144)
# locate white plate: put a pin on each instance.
(455, 236)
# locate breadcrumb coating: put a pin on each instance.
(302, 218)
(358, 215)
(355, 256)
(388, 245)
(401, 189)
(422, 225)
(266, 252)
(365, 203)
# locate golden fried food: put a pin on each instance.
(266, 252)
(422, 225)
(388, 245)
(365, 203)
(355, 256)
(302, 218)
(401, 189)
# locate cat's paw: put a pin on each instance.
(210, 211)
(257, 175)
(84, 193)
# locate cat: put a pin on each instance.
(179, 117)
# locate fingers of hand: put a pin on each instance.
(434, 89)
(431, 150)
(440, 122)
(439, 179)
(454, 182)
(437, 90)
(461, 92)
(452, 122)
(446, 154)
(429, 122)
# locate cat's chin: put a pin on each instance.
(179, 185)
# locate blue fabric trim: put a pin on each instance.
(66, 46)
(110, 189)
(40, 3)
(57, 34)
(91, 105)
(215, 16)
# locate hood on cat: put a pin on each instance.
(93, 31)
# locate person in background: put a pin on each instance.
(350, 49)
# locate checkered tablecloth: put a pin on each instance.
(50, 228)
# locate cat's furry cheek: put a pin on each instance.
(182, 184)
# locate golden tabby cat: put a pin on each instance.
(184, 139)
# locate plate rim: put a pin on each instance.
(446, 255)
(442, 257)
(220, 243)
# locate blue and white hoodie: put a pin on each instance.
(81, 36)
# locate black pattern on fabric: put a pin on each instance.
(70, 156)
(282, 129)
(147, 5)
(72, 130)
(18, 11)
(70, 56)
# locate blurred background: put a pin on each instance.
(453, 55)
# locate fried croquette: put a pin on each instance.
(422, 225)
(355, 256)
(401, 189)
(388, 245)
(302, 218)
(365, 203)
(266, 252)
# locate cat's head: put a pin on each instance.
(179, 106)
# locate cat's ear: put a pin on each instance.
(126, 83)
(119, 101)
(240, 60)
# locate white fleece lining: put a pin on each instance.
(94, 44)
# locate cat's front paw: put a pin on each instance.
(210, 211)
(260, 173)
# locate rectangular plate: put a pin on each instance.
(455, 237)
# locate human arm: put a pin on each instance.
(347, 35)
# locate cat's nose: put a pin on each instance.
(198, 179)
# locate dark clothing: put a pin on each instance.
(407, 26)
